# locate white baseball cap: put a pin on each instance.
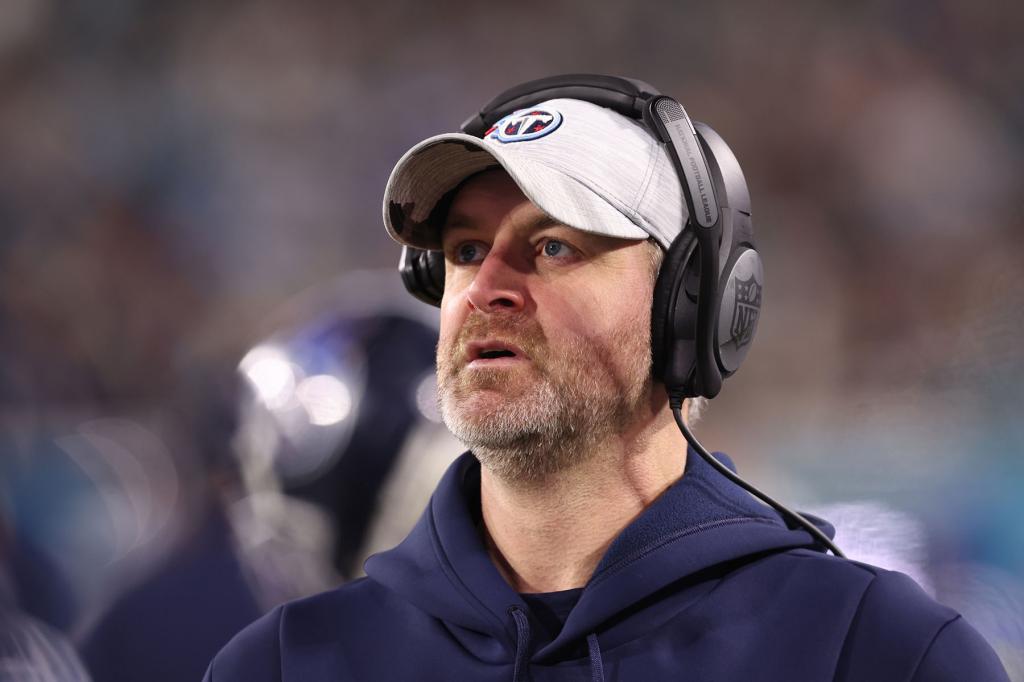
(584, 165)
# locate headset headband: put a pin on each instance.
(627, 96)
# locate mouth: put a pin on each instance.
(493, 352)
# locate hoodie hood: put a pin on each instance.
(701, 522)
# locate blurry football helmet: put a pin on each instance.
(340, 439)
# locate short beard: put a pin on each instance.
(549, 416)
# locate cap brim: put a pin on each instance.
(437, 165)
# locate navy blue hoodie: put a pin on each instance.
(707, 584)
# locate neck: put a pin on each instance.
(549, 535)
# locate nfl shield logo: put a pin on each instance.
(748, 307)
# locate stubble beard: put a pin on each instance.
(528, 422)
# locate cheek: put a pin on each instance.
(576, 321)
(453, 300)
(611, 318)
(456, 279)
(453, 315)
(601, 312)
(453, 304)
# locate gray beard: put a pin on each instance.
(554, 421)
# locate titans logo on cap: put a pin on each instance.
(525, 124)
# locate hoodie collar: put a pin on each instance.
(701, 521)
(443, 566)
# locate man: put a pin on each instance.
(580, 539)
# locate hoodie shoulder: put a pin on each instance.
(858, 621)
(899, 632)
(959, 652)
(299, 640)
(253, 655)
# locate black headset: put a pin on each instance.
(707, 299)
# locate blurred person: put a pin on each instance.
(300, 452)
(32, 650)
(29, 648)
(340, 437)
(171, 610)
(30, 580)
(592, 255)
(94, 309)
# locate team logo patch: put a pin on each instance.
(748, 307)
(525, 124)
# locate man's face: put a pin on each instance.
(545, 332)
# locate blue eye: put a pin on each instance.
(554, 248)
(468, 252)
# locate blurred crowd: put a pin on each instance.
(197, 391)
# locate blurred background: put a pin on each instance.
(192, 417)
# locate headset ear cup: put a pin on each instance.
(433, 266)
(674, 316)
(423, 274)
(740, 308)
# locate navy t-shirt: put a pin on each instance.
(551, 609)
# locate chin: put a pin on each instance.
(478, 414)
(480, 406)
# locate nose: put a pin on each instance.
(497, 286)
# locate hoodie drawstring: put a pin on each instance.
(522, 643)
(596, 664)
